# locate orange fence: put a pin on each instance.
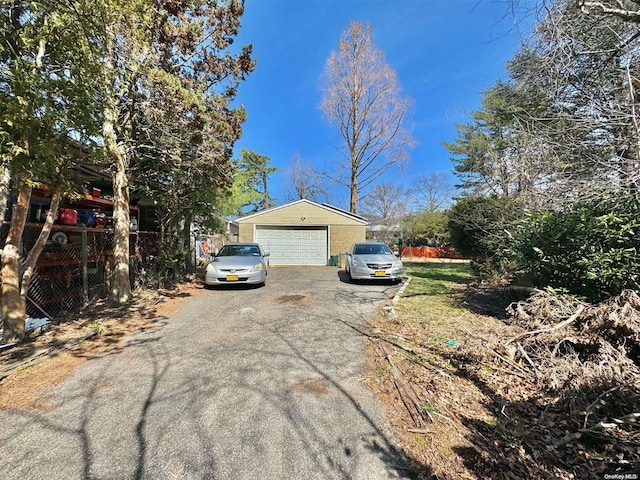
(429, 252)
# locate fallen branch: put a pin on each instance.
(504, 370)
(446, 418)
(631, 419)
(412, 349)
(505, 359)
(484, 341)
(569, 438)
(528, 359)
(560, 325)
(589, 409)
(406, 392)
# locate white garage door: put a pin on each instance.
(294, 245)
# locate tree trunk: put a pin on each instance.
(15, 286)
(186, 235)
(119, 154)
(120, 285)
(353, 204)
(14, 311)
(5, 180)
(34, 253)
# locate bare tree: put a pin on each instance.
(565, 127)
(385, 203)
(588, 64)
(362, 97)
(432, 191)
(304, 182)
(628, 10)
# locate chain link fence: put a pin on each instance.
(76, 265)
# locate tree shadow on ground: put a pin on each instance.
(99, 322)
(491, 300)
(544, 437)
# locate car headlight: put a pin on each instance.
(397, 264)
(356, 263)
(256, 268)
(211, 268)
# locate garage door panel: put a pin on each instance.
(294, 246)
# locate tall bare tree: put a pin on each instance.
(362, 97)
(304, 182)
(583, 55)
(588, 65)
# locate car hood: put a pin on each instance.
(382, 258)
(235, 262)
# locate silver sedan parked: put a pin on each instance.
(235, 263)
(373, 261)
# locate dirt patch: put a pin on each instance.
(317, 387)
(23, 388)
(290, 298)
(303, 298)
(46, 359)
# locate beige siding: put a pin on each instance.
(343, 236)
(292, 215)
(343, 230)
(245, 233)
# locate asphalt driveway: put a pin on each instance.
(237, 384)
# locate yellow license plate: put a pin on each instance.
(232, 278)
(379, 273)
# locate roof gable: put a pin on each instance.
(302, 202)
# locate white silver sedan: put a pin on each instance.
(236, 263)
(373, 261)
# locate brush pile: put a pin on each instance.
(587, 358)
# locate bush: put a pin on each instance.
(592, 250)
(479, 226)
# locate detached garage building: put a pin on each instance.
(302, 232)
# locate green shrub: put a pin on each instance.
(478, 229)
(592, 250)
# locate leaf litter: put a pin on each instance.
(549, 391)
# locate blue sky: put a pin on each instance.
(445, 52)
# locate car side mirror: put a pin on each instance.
(266, 254)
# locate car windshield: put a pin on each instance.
(239, 251)
(374, 249)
